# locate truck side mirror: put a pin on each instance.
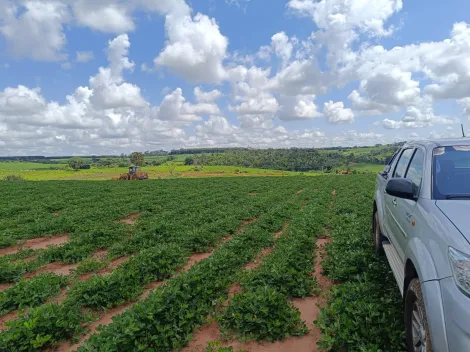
(400, 188)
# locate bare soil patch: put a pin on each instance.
(100, 253)
(61, 297)
(257, 262)
(298, 192)
(7, 317)
(252, 194)
(129, 219)
(37, 243)
(55, 268)
(244, 225)
(5, 286)
(196, 258)
(56, 213)
(115, 263)
(333, 193)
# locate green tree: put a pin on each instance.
(137, 159)
(189, 161)
(76, 162)
(171, 167)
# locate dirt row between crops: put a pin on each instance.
(37, 243)
(106, 317)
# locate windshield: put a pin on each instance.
(451, 172)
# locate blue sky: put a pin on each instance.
(278, 74)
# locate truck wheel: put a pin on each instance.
(418, 337)
(378, 237)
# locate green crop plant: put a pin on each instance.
(32, 292)
(90, 265)
(364, 311)
(125, 283)
(262, 314)
(216, 346)
(41, 327)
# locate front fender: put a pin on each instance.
(421, 258)
(433, 302)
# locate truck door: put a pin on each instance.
(393, 222)
(382, 179)
(406, 210)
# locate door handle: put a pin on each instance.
(394, 202)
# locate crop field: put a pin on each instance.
(43, 173)
(206, 264)
(12, 166)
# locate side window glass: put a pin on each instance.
(416, 171)
(394, 157)
(403, 162)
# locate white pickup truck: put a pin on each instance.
(421, 220)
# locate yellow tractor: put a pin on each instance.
(134, 174)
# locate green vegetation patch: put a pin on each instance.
(263, 314)
(32, 292)
(364, 311)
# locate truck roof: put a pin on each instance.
(443, 142)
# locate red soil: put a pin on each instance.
(5, 285)
(37, 243)
(257, 262)
(130, 219)
(55, 268)
(7, 317)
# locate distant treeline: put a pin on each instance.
(229, 150)
(205, 150)
(291, 159)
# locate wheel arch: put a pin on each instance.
(410, 274)
(419, 258)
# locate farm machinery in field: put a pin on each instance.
(134, 174)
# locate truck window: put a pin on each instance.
(416, 170)
(394, 157)
(403, 162)
(451, 172)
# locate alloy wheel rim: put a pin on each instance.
(418, 330)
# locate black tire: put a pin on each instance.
(378, 237)
(418, 336)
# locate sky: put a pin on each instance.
(81, 77)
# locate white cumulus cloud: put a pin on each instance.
(336, 113)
